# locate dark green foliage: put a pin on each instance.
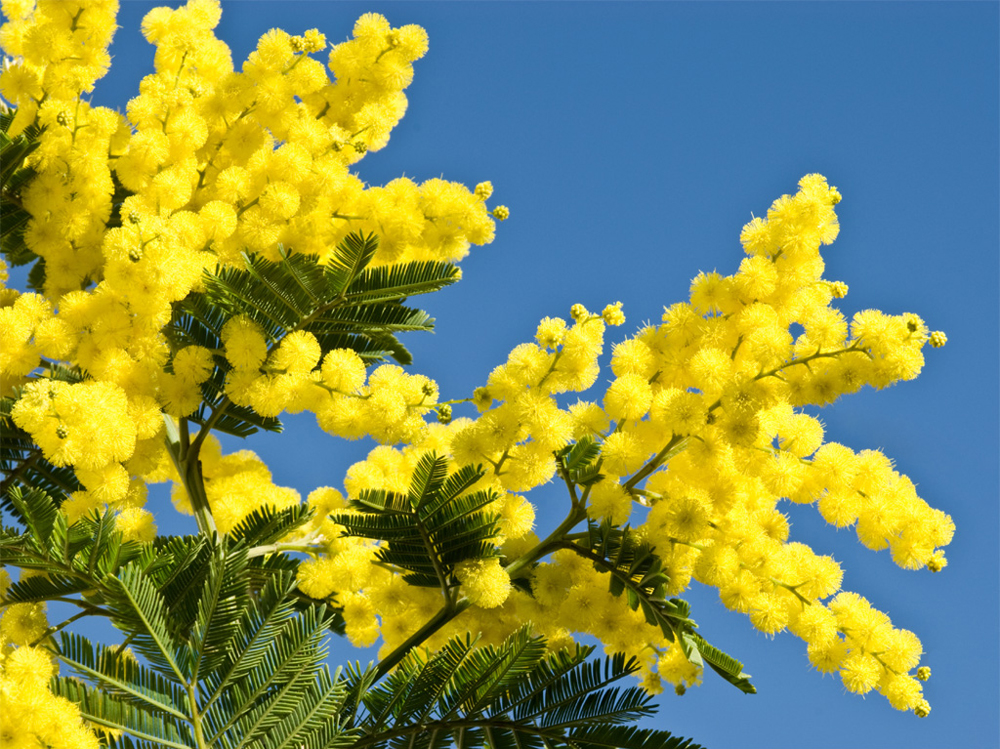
(429, 530)
(513, 695)
(76, 558)
(223, 660)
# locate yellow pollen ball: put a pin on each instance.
(484, 581)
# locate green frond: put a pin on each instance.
(313, 720)
(21, 460)
(122, 676)
(428, 476)
(512, 695)
(36, 511)
(724, 665)
(488, 671)
(225, 595)
(628, 737)
(266, 525)
(341, 303)
(274, 675)
(634, 569)
(179, 573)
(413, 690)
(455, 489)
(258, 628)
(138, 607)
(568, 698)
(390, 282)
(34, 589)
(196, 322)
(350, 258)
(14, 176)
(578, 462)
(435, 526)
(107, 711)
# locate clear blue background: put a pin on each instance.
(631, 142)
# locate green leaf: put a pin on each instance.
(122, 676)
(139, 608)
(36, 511)
(512, 695)
(578, 462)
(724, 665)
(14, 177)
(107, 711)
(635, 570)
(628, 737)
(349, 260)
(225, 595)
(35, 589)
(393, 282)
(431, 529)
(266, 525)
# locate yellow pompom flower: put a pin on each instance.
(633, 356)
(343, 371)
(136, 524)
(827, 656)
(23, 623)
(860, 672)
(315, 577)
(517, 517)
(218, 220)
(551, 332)
(29, 666)
(297, 353)
(622, 453)
(485, 583)
(608, 499)
(193, 364)
(588, 419)
(359, 618)
(628, 397)
(246, 347)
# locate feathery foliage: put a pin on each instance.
(431, 529)
(511, 695)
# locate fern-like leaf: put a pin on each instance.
(431, 529)
(512, 695)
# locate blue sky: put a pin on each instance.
(631, 142)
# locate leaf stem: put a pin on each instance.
(62, 625)
(676, 445)
(448, 612)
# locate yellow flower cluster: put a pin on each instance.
(235, 486)
(390, 407)
(703, 425)
(32, 715)
(218, 162)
